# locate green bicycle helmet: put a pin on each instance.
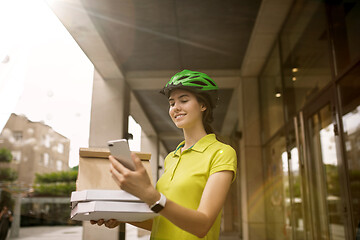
(193, 81)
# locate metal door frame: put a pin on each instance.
(327, 96)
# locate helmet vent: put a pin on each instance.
(183, 77)
(211, 82)
(199, 83)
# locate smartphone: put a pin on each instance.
(120, 150)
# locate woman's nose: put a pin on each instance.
(176, 107)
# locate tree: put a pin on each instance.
(55, 183)
(5, 155)
(6, 175)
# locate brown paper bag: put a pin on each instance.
(94, 169)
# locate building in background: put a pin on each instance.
(36, 148)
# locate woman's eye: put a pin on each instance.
(172, 104)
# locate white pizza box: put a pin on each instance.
(119, 210)
(102, 195)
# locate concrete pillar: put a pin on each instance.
(109, 121)
(151, 144)
(251, 165)
(15, 226)
(109, 110)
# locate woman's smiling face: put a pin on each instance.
(185, 110)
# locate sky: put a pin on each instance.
(44, 74)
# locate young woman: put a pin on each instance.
(190, 194)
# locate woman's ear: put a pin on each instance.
(203, 107)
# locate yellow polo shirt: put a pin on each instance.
(184, 180)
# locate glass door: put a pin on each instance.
(302, 227)
(324, 166)
(349, 92)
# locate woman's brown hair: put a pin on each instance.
(208, 117)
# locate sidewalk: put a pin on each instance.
(65, 232)
(75, 233)
(50, 233)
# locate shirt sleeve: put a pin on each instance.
(224, 159)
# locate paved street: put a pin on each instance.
(50, 233)
(75, 233)
(65, 232)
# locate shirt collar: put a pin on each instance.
(200, 145)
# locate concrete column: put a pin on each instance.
(109, 110)
(15, 226)
(251, 165)
(109, 121)
(151, 145)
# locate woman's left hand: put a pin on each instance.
(112, 223)
(135, 182)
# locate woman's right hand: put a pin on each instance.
(112, 223)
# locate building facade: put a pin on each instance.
(310, 123)
(36, 148)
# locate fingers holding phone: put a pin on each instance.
(121, 151)
(135, 182)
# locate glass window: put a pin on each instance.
(305, 54)
(46, 141)
(297, 198)
(60, 148)
(16, 156)
(46, 159)
(18, 136)
(350, 100)
(324, 157)
(300, 217)
(345, 16)
(272, 117)
(277, 196)
(59, 165)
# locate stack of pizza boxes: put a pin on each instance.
(97, 196)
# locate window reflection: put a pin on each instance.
(271, 96)
(305, 54)
(323, 154)
(351, 122)
(297, 196)
(294, 200)
(277, 202)
(286, 189)
(350, 100)
(346, 32)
